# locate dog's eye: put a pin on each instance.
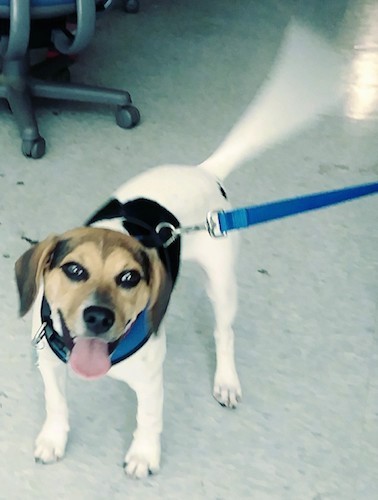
(128, 279)
(75, 272)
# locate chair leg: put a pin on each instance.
(81, 93)
(21, 106)
(127, 115)
(19, 100)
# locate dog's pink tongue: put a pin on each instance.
(90, 358)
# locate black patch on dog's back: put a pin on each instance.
(140, 219)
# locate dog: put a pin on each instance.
(101, 292)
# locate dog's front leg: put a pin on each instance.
(143, 372)
(51, 442)
(143, 456)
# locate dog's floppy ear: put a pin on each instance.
(161, 289)
(29, 268)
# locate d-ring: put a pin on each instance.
(38, 336)
(175, 231)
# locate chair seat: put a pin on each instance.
(41, 3)
(43, 8)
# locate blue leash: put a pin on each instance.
(220, 222)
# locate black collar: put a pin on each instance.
(60, 344)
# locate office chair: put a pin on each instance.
(29, 24)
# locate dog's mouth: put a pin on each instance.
(89, 356)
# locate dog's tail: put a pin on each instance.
(305, 80)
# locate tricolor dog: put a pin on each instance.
(100, 293)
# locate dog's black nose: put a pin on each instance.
(98, 319)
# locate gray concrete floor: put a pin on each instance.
(306, 346)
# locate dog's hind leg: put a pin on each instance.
(217, 257)
(51, 442)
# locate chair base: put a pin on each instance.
(18, 88)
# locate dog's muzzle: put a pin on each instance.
(92, 357)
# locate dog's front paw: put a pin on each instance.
(227, 390)
(143, 458)
(50, 444)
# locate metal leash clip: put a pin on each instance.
(212, 226)
(39, 336)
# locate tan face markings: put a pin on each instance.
(104, 255)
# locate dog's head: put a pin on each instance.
(96, 281)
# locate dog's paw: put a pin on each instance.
(50, 445)
(143, 458)
(227, 390)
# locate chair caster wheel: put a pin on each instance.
(131, 6)
(127, 116)
(34, 148)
